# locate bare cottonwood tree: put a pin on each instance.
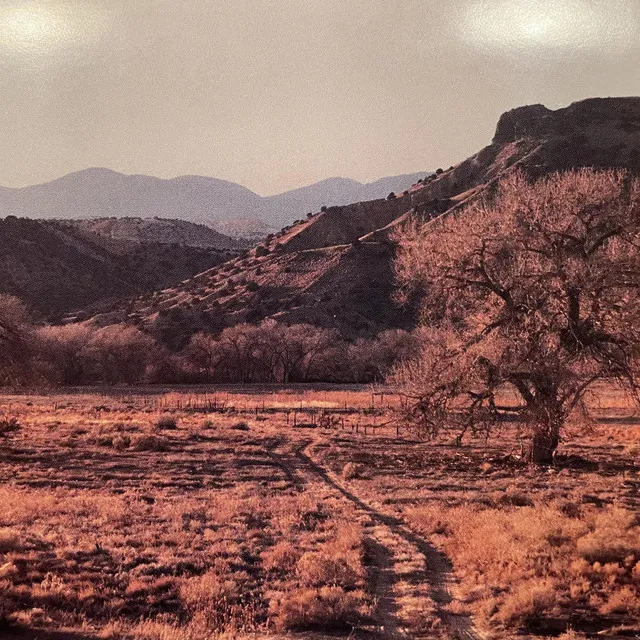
(15, 346)
(63, 350)
(205, 354)
(533, 295)
(119, 354)
(300, 348)
(372, 359)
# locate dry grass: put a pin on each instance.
(139, 517)
(524, 567)
(324, 609)
(337, 562)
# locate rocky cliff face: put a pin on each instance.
(536, 121)
(522, 122)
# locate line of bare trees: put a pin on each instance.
(272, 352)
(79, 354)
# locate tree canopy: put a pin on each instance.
(530, 295)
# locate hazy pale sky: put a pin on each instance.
(275, 94)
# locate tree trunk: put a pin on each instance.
(544, 443)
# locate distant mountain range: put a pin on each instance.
(234, 209)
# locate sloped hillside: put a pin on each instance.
(285, 207)
(600, 132)
(348, 287)
(245, 229)
(56, 269)
(157, 230)
(335, 267)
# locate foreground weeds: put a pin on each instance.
(129, 518)
(329, 593)
(187, 567)
(541, 566)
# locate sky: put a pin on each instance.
(276, 94)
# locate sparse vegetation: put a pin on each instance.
(523, 565)
(234, 531)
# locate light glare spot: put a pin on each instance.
(570, 25)
(34, 28)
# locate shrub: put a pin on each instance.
(326, 608)
(9, 539)
(281, 557)
(317, 568)
(216, 603)
(240, 426)
(167, 423)
(9, 425)
(615, 536)
(337, 562)
(149, 442)
(8, 570)
(623, 601)
(528, 603)
(351, 471)
(515, 498)
(121, 442)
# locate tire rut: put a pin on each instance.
(413, 579)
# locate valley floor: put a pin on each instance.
(170, 514)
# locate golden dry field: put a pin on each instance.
(170, 514)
